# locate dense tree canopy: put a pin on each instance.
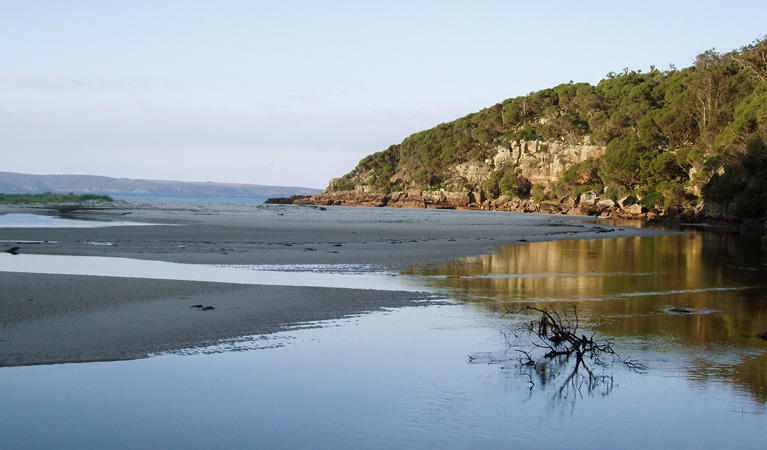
(669, 135)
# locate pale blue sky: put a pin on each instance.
(297, 92)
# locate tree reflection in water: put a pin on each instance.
(690, 303)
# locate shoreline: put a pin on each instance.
(391, 238)
(718, 216)
(48, 319)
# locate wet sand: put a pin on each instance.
(65, 318)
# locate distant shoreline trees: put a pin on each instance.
(49, 197)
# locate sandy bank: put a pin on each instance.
(292, 234)
(46, 319)
(66, 318)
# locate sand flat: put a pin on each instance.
(69, 318)
(50, 319)
(295, 234)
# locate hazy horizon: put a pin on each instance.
(151, 179)
(296, 93)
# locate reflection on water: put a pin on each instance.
(382, 381)
(687, 306)
(22, 220)
(334, 276)
(691, 303)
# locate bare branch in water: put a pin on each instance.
(556, 347)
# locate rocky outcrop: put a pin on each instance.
(543, 162)
(714, 215)
(540, 162)
(585, 205)
(472, 172)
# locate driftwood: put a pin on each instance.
(551, 345)
(556, 333)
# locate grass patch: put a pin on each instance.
(49, 197)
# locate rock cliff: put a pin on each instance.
(544, 164)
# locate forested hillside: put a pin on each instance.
(667, 137)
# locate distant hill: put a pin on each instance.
(678, 137)
(22, 183)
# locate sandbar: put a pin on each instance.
(48, 319)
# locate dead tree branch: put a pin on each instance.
(556, 346)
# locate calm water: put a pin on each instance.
(687, 306)
(335, 276)
(188, 198)
(56, 221)
(689, 303)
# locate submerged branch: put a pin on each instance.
(557, 347)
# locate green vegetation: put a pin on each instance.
(507, 183)
(48, 197)
(670, 136)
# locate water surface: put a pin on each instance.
(22, 220)
(687, 306)
(337, 276)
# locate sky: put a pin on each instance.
(295, 93)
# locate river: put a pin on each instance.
(687, 307)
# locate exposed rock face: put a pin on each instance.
(474, 173)
(539, 162)
(442, 199)
(606, 203)
(713, 214)
(588, 199)
(625, 202)
(543, 162)
(723, 211)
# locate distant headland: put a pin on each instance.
(91, 184)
